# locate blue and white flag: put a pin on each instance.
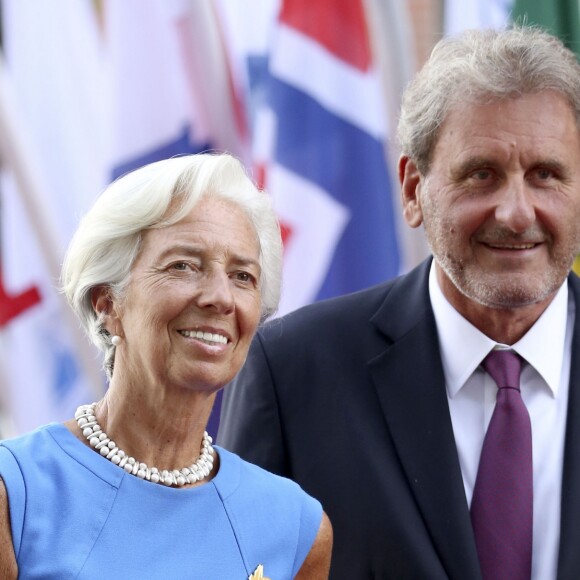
(174, 95)
(321, 129)
(171, 86)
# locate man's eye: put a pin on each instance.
(481, 174)
(544, 173)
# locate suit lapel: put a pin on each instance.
(410, 384)
(569, 555)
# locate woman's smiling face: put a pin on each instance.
(193, 302)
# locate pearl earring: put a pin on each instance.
(115, 340)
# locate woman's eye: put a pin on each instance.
(244, 277)
(181, 266)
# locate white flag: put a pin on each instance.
(53, 73)
(172, 91)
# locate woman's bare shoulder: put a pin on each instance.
(317, 563)
(8, 566)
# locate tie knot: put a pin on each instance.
(504, 366)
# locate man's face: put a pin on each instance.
(501, 201)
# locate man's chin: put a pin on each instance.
(508, 294)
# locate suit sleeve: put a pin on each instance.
(250, 424)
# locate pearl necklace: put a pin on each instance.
(99, 440)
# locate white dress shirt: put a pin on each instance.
(546, 348)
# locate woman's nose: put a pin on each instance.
(215, 291)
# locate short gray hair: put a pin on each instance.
(108, 239)
(481, 66)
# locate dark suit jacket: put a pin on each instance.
(347, 397)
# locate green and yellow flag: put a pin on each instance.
(560, 17)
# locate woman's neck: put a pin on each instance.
(158, 428)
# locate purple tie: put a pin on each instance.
(502, 504)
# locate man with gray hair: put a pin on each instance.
(437, 416)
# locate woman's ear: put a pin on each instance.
(411, 184)
(103, 305)
(101, 300)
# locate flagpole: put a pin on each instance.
(390, 33)
(218, 99)
(13, 148)
(6, 424)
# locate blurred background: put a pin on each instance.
(305, 92)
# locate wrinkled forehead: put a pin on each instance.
(463, 113)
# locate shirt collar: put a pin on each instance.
(463, 346)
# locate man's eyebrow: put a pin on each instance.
(479, 162)
(471, 164)
(553, 165)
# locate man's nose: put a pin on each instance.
(515, 208)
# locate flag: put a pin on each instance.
(559, 17)
(322, 137)
(462, 15)
(52, 154)
(141, 81)
(173, 96)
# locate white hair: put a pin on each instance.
(108, 239)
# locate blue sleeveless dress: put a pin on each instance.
(76, 515)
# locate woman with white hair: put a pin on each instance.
(170, 272)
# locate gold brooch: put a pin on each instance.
(258, 574)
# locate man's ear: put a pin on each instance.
(411, 184)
